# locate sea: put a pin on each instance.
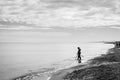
(17, 59)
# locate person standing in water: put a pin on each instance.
(79, 55)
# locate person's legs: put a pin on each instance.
(79, 59)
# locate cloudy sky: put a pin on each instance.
(60, 13)
(94, 18)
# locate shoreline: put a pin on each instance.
(33, 75)
(104, 67)
(46, 74)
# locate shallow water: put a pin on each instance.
(20, 58)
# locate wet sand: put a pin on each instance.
(46, 74)
(40, 75)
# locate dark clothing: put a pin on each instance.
(79, 55)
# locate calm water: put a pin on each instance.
(18, 58)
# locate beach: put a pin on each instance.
(41, 39)
(61, 67)
(104, 67)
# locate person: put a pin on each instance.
(79, 55)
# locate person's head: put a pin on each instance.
(78, 47)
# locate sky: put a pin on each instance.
(84, 20)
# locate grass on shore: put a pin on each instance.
(105, 67)
(113, 55)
